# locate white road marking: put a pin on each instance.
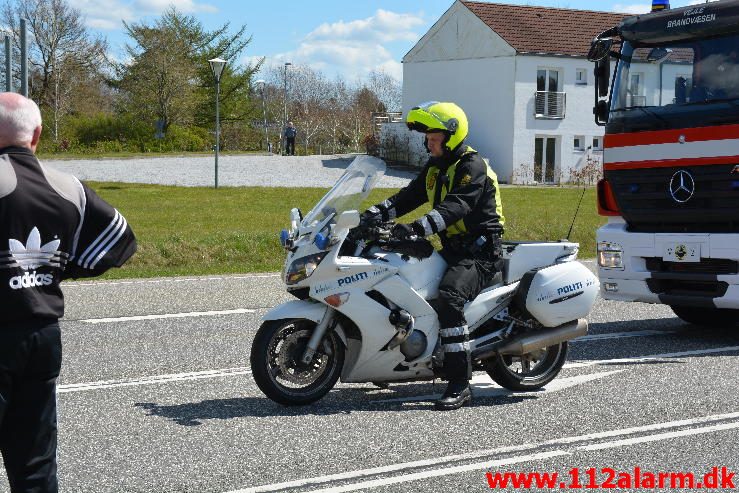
(133, 382)
(651, 357)
(564, 446)
(166, 315)
(483, 386)
(623, 335)
(166, 280)
(481, 379)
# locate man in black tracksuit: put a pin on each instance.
(52, 227)
(467, 215)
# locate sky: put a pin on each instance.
(338, 37)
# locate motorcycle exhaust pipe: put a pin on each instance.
(530, 342)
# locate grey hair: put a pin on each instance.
(19, 118)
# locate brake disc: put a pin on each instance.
(291, 369)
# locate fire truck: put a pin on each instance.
(670, 186)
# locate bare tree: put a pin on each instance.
(309, 93)
(387, 89)
(63, 55)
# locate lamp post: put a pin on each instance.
(284, 122)
(261, 83)
(216, 66)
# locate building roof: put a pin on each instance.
(530, 29)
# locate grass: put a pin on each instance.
(198, 231)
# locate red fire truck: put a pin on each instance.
(671, 160)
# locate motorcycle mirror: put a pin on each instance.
(599, 49)
(348, 220)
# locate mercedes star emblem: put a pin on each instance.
(682, 186)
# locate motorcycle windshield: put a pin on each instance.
(350, 190)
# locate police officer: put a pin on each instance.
(468, 217)
(52, 227)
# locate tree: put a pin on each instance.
(168, 79)
(63, 56)
(387, 89)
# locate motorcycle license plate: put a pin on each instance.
(682, 252)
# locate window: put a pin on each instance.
(581, 77)
(636, 90)
(549, 100)
(544, 159)
(597, 144)
(579, 143)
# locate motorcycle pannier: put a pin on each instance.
(558, 294)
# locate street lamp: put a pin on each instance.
(261, 83)
(216, 66)
(284, 123)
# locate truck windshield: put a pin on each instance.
(690, 83)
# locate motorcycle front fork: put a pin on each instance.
(317, 336)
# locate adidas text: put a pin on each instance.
(31, 280)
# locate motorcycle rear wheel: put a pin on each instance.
(276, 367)
(531, 371)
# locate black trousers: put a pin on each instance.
(290, 146)
(465, 278)
(30, 360)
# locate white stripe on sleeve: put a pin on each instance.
(100, 237)
(104, 242)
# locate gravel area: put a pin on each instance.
(233, 171)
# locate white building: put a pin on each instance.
(520, 74)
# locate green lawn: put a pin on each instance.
(195, 231)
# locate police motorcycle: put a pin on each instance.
(364, 308)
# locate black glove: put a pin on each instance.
(371, 215)
(405, 231)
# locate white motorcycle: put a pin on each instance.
(364, 311)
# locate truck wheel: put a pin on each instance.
(707, 317)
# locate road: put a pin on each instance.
(155, 396)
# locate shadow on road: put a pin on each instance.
(338, 401)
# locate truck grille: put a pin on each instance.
(643, 195)
(715, 266)
(673, 287)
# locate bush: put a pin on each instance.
(109, 134)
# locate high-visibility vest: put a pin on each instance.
(435, 186)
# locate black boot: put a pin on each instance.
(457, 395)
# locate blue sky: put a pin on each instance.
(343, 37)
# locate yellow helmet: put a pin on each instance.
(440, 117)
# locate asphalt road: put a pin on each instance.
(152, 400)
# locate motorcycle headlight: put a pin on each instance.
(302, 268)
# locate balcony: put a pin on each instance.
(550, 105)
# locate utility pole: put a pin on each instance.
(284, 123)
(24, 58)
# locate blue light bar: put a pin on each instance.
(658, 5)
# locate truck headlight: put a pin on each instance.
(302, 268)
(610, 255)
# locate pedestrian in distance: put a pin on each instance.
(52, 227)
(290, 133)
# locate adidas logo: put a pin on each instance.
(31, 280)
(33, 255)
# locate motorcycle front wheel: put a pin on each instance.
(530, 371)
(276, 367)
